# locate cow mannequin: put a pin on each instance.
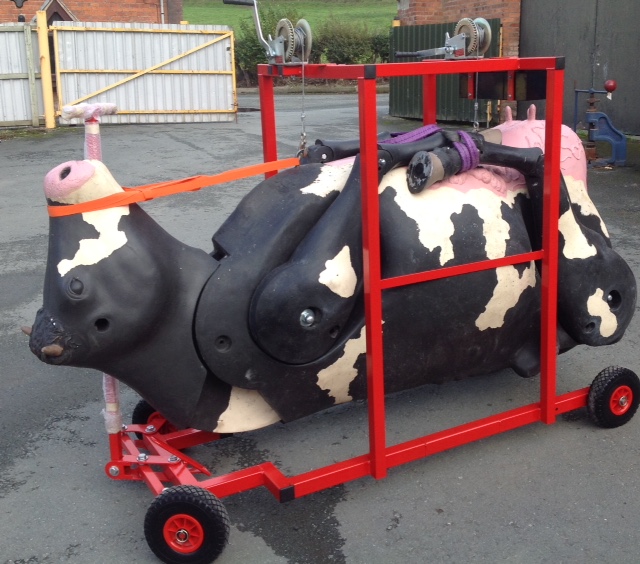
(270, 325)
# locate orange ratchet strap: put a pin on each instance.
(151, 191)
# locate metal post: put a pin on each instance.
(551, 209)
(45, 70)
(93, 150)
(372, 272)
(429, 98)
(268, 117)
(35, 116)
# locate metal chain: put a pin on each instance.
(476, 123)
(302, 148)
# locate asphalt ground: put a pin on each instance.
(562, 493)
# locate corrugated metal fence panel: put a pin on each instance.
(15, 89)
(405, 93)
(198, 87)
(600, 44)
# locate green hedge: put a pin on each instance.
(335, 42)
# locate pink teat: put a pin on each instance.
(66, 178)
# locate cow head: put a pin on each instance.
(120, 293)
(92, 290)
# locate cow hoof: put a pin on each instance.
(419, 172)
(613, 397)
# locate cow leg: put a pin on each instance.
(393, 150)
(428, 167)
(299, 311)
(324, 151)
(439, 155)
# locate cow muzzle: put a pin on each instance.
(48, 339)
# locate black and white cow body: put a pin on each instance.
(270, 326)
(429, 329)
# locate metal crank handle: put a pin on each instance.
(421, 54)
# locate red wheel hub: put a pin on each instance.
(183, 533)
(621, 400)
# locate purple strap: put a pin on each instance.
(468, 151)
(414, 135)
(466, 147)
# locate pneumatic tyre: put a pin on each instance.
(613, 397)
(187, 525)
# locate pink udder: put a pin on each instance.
(499, 180)
(531, 133)
(66, 178)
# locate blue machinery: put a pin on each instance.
(600, 128)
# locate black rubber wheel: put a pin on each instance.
(187, 524)
(145, 414)
(613, 397)
(141, 412)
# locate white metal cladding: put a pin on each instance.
(154, 73)
(20, 88)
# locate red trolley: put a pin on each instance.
(187, 521)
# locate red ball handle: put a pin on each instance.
(610, 85)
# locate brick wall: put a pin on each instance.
(143, 11)
(420, 12)
(9, 12)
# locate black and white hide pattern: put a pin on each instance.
(270, 325)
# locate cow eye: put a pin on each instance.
(76, 287)
(614, 299)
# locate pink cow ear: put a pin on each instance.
(531, 112)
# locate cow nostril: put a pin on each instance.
(589, 327)
(66, 171)
(614, 300)
(52, 350)
(102, 324)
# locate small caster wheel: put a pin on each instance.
(187, 525)
(145, 414)
(613, 397)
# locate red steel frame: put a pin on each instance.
(166, 464)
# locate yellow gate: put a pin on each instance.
(154, 73)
